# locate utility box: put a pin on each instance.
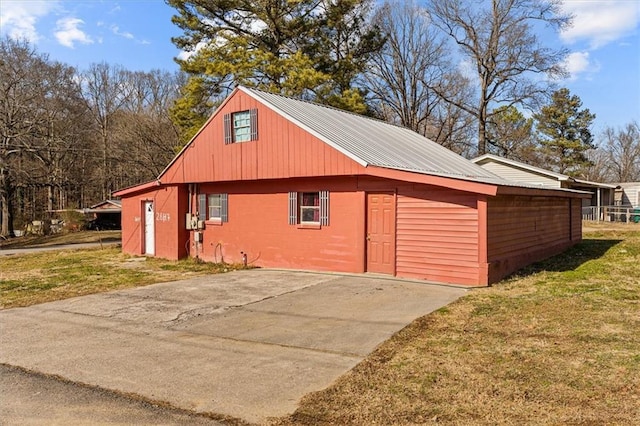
(191, 221)
(197, 237)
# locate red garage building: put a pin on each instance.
(292, 184)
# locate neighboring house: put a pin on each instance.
(106, 214)
(280, 182)
(628, 194)
(602, 194)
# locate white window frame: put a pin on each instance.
(314, 209)
(297, 209)
(214, 201)
(205, 207)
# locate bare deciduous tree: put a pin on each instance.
(68, 140)
(143, 129)
(622, 148)
(497, 39)
(105, 92)
(401, 75)
(22, 73)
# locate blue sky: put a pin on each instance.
(604, 43)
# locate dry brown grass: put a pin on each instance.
(53, 275)
(560, 344)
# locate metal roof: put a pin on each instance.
(559, 176)
(374, 142)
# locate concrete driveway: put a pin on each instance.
(247, 344)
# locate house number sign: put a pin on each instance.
(163, 217)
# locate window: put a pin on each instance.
(309, 208)
(213, 207)
(214, 203)
(241, 126)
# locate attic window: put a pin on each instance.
(241, 126)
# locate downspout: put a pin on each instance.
(599, 204)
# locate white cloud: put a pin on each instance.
(575, 63)
(578, 63)
(68, 32)
(116, 30)
(186, 54)
(18, 19)
(600, 22)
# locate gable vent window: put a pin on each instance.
(241, 126)
(309, 208)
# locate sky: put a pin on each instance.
(604, 41)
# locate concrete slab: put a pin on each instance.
(247, 344)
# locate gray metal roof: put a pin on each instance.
(373, 142)
(486, 158)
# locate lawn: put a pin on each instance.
(46, 276)
(558, 344)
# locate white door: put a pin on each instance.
(149, 229)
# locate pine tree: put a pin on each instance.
(305, 48)
(510, 135)
(564, 133)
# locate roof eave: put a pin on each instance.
(521, 165)
(430, 179)
(542, 192)
(596, 184)
(137, 188)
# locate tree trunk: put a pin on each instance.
(482, 131)
(6, 212)
(50, 197)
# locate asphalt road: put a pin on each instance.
(78, 246)
(35, 399)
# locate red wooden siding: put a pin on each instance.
(522, 230)
(283, 150)
(437, 235)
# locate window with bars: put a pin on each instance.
(241, 126)
(309, 208)
(213, 207)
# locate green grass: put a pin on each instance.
(557, 344)
(46, 276)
